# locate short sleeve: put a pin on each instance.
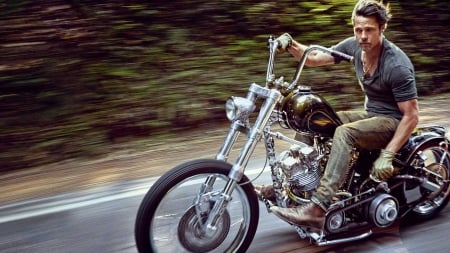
(403, 83)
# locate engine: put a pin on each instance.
(303, 168)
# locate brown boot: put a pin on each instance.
(309, 215)
(265, 192)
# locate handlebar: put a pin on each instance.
(341, 55)
(308, 50)
(274, 44)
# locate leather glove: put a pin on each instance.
(285, 42)
(382, 167)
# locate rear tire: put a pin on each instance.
(167, 209)
(438, 161)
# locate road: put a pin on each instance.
(101, 219)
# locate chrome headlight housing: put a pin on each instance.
(238, 108)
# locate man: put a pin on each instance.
(386, 75)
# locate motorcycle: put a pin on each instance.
(210, 205)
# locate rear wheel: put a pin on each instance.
(172, 213)
(437, 165)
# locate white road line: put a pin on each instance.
(70, 201)
(23, 210)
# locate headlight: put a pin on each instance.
(238, 108)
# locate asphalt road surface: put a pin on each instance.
(102, 220)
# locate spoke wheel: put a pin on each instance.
(172, 213)
(437, 173)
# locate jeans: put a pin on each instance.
(359, 131)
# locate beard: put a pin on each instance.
(365, 46)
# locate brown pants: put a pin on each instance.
(358, 131)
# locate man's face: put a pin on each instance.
(367, 32)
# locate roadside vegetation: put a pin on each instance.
(84, 78)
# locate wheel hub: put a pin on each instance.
(192, 235)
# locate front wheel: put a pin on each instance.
(172, 213)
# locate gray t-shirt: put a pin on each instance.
(393, 81)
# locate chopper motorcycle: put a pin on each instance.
(209, 205)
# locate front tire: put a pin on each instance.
(167, 222)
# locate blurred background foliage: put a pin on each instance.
(77, 78)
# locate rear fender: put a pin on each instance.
(423, 138)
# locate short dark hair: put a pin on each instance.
(375, 8)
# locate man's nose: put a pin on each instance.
(363, 36)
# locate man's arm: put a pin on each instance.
(315, 58)
(382, 168)
(409, 121)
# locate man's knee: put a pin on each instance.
(343, 133)
(342, 130)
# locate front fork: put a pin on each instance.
(272, 97)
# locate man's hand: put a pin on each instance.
(285, 42)
(382, 168)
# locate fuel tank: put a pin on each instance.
(305, 111)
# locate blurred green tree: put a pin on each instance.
(79, 76)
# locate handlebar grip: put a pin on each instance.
(342, 56)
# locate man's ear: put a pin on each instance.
(382, 28)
